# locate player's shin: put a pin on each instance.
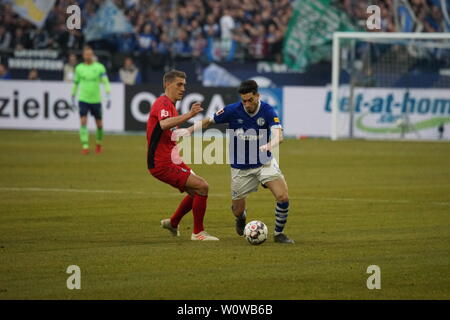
(184, 207)
(199, 209)
(99, 136)
(84, 136)
(281, 214)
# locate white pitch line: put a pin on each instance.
(33, 189)
(67, 190)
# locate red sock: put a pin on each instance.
(184, 207)
(199, 209)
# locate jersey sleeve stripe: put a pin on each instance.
(153, 143)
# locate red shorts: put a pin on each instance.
(174, 174)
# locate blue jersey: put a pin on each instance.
(248, 133)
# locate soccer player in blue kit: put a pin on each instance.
(256, 130)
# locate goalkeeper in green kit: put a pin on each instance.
(88, 76)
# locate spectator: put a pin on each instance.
(259, 45)
(211, 28)
(164, 46)
(266, 16)
(33, 75)
(129, 74)
(127, 43)
(20, 40)
(240, 17)
(226, 25)
(70, 39)
(273, 40)
(434, 21)
(194, 29)
(181, 47)
(198, 44)
(69, 68)
(89, 11)
(40, 40)
(4, 74)
(146, 39)
(5, 38)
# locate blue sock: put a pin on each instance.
(281, 214)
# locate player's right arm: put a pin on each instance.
(221, 116)
(168, 122)
(76, 82)
(104, 79)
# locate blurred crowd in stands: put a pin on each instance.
(199, 30)
(190, 28)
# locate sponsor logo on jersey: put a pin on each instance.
(260, 121)
(164, 113)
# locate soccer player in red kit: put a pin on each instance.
(164, 161)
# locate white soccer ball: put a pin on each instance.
(255, 232)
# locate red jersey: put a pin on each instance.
(161, 147)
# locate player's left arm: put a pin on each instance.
(104, 79)
(276, 132)
(276, 137)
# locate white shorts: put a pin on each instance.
(245, 181)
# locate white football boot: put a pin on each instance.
(202, 236)
(165, 223)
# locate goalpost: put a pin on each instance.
(390, 85)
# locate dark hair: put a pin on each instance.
(248, 86)
(169, 76)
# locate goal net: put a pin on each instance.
(391, 85)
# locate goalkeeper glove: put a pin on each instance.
(108, 100)
(74, 104)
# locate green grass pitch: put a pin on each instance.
(353, 204)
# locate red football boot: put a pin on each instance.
(85, 151)
(98, 149)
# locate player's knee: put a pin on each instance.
(238, 208)
(282, 198)
(203, 188)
